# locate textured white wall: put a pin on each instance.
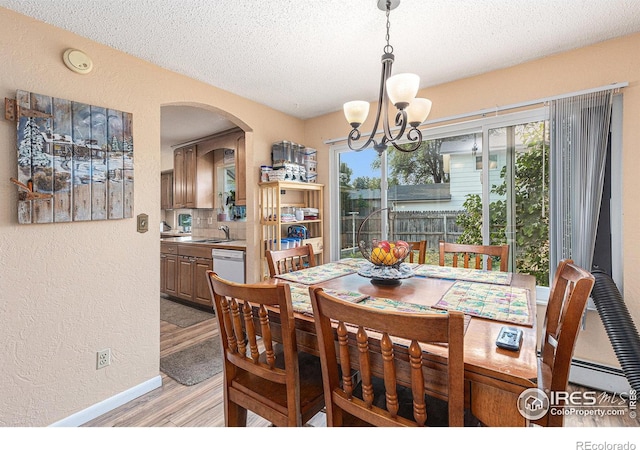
(69, 290)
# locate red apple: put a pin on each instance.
(402, 244)
(384, 245)
(400, 251)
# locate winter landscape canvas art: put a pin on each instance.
(78, 157)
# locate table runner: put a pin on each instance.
(489, 301)
(461, 273)
(317, 274)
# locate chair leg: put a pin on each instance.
(235, 415)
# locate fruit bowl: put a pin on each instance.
(383, 253)
(385, 262)
(385, 258)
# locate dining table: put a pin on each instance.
(494, 377)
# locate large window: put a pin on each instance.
(481, 182)
(519, 196)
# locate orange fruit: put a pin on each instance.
(380, 256)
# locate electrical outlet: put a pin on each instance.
(103, 358)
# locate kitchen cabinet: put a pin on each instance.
(201, 293)
(241, 166)
(184, 266)
(192, 178)
(275, 197)
(235, 140)
(169, 268)
(193, 261)
(166, 189)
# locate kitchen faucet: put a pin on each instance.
(226, 231)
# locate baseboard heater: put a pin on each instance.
(597, 376)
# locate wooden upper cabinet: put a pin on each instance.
(192, 178)
(233, 139)
(166, 190)
(241, 166)
(178, 178)
(194, 167)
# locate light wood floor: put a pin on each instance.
(176, 405)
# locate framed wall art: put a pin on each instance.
(75, 161)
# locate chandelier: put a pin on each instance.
(400, 90)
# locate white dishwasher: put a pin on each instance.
(229, 264)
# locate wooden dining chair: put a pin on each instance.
(418, 251)
(290, 259)
(274, 381)
(378, 400)
(475, 252)
(568, 297)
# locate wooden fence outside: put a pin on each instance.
(432, 226)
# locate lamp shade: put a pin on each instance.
(418, 110)
(356, 112)
(402, 88)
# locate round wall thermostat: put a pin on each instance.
(77, 61)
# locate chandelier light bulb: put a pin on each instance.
(402, 89)
(356, 112)
(418, 111)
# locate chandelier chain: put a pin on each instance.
(388, 48)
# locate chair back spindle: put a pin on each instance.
(418, 252)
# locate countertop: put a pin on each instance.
(168, 234)
(235, 244)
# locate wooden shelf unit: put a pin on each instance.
(274, 196)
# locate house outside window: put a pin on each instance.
(493, 162)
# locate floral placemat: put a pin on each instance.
(301, 300)
(354, 263)
(489, 301)
(460, 273)
(317, 274)
(387, 304)
(399, 306)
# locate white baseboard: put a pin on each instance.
(584, 373)
(596, 376)
(90, 413)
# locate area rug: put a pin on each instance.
(181, 315)
(194, 364)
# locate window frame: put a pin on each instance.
(483, 125)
